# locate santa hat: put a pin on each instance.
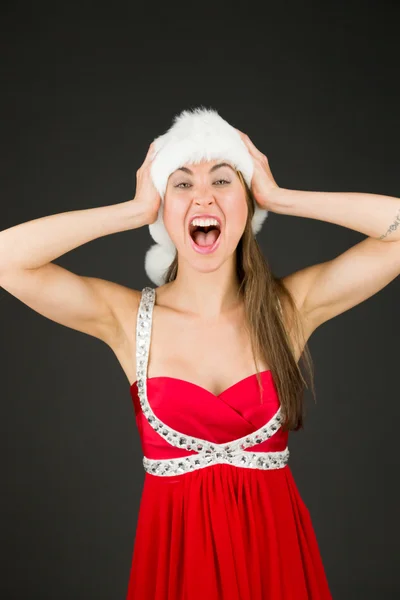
(196, 135)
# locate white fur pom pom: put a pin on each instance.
(157, 260)
(258, 219)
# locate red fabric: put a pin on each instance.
(221, 532)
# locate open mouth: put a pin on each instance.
(204, 236)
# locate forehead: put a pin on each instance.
(205, 166)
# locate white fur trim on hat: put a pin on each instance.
(196, 135)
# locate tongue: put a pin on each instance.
(205, 239)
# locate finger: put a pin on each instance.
(147, 161)
(242, 135)
(252, 146)
(254, 151)
(245, 138)
(150, 153)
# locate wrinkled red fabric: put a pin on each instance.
(221, 532)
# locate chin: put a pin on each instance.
(205, 270)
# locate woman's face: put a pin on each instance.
(208, 188)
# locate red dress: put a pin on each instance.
(219, 519)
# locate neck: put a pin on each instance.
(207, 294)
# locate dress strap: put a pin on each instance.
(143, 331)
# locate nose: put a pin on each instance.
(204, 199)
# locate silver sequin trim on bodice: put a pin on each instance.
(207, 453)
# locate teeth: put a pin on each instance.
(204, 222)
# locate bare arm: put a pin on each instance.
(32, 244)
(88, 304)
(325, 290)
(375, 215)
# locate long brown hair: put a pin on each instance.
(263, 295)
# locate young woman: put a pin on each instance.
(211, 353)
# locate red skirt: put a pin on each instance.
(223, 532)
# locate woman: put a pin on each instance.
(213, 366)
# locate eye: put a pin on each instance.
(184, 183)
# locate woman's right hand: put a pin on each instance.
(146, 196)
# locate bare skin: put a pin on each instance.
(198, 325)
(197, 319)
(212, 353)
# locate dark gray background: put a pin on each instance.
(84, 91)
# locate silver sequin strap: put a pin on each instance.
(231, 452)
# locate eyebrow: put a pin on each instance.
(214, 168)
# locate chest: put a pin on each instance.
(213, 354)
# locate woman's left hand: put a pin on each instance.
(263, 182)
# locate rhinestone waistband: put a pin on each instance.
(239, 458)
